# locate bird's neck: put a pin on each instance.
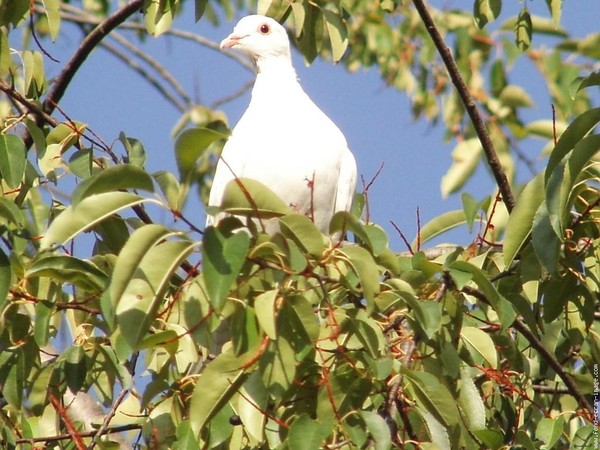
(276, 67)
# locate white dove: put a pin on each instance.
(283, 140)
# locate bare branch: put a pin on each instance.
(80, 16)
(143, 72)
(90, 42)
(470, 105)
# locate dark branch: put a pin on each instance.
(470, 105)
(537, 345)
(62, 437)
(90, 42)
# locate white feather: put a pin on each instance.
(283, 139)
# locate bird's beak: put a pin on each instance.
(230, 41)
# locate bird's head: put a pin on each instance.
(260, 37)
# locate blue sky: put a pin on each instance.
(375, 119)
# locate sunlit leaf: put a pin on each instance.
(549, 430)
(120, 177)
(307, 433)
(86, 214)
(12, 159)
(520, 221)
(555, 7)
(141, 297)
(336, 29)
(304, 232)
(523, 30)
(439, 225)
(67, 269)
(248, 197)
(486, 11)
(217, 384)
(432, 396)
(223, 257)
(465, 158)
(191, 145)
(481, 344)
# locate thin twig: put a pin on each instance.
(537, 345)
(470, 105)
(113, 410)
(62, 437)
(136, 67)
(155, 65)
(90, 42)
(81, 17)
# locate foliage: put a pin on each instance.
(290, 340)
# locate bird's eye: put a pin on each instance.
(265, 29)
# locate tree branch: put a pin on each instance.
(90, 42)
(537, 345)
(62, 437)
(470, 105)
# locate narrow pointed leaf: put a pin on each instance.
(86, 214)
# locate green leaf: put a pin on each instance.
(131, 256)
(549, 430)
(520, 221)
(308, 434)
(264, 306)
(555, 8)
(580, 83)
(515, 96)
(12, 12)
(185, 437)
(471, 208)
(336, 30)
(251, 405)
(170, 188)
(115, 178)
(365, 267)
(546, 243)
(53, 14)
(304, 233)
(465, 158)
(440, 224)
(12, 159)
(216, 385)
(86, 214)
(433, 396)
(190, 145)
(136, 155)
(222, 260)
(248, 197)
(74, 364)
(480, 344)
(437, 431)
(470, 401)
(502, 307)
(5, 278)
(563, 179)
(523, 30)
(372, 235)
(580, 127)
(67, 269)
(378, 429)
(11, 212)
(427, 315)
(485, 11)
(137, 306)
(159, 15)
